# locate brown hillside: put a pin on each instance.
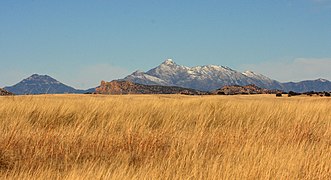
(127, 87)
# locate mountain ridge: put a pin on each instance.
(317, 85)
(169, 73)
(211, 77)
(205, 78)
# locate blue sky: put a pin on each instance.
(83, 42)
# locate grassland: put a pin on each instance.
(165, 137)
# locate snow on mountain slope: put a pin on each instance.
(206, 78)
(263, 81)
(143, 78)
(256, 76)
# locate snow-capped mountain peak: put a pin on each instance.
(211, 77)
(207, 77)
(169, 62)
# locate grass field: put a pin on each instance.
(165, 137)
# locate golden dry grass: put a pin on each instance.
(165, 137)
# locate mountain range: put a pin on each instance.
(169, 73)
(211, 77)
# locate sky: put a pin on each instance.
(81, 42)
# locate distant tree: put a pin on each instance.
(292, 93)
(310, 93)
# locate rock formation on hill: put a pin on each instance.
(127, 87)
(5, 93)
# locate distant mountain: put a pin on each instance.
(5, 93)
(41, 84)
(317, 85)
(128, 87)
(205, 78)
(212, 77)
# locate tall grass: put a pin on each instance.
(164, 137)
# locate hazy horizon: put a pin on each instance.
(97, 84)
(82, 43)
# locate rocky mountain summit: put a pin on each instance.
(128, 87)
(5, 93)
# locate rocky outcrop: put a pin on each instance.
(249, 89)
(5, 93)
(128, 87)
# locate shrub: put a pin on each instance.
(292, 93)
(279, 95)
(220, 93)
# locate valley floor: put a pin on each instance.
(165, 137)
